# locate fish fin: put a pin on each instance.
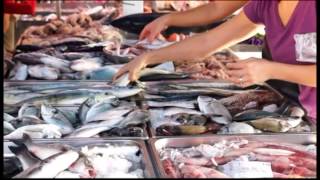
(26, 139)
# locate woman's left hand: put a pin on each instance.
(249, 71)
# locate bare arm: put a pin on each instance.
(307, 73)
(229, 33)
(205, 14)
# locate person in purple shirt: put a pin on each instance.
(291, 35)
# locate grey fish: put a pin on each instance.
(216, 110)
(36, 131)
(35, 58)
(90, 130)
(43, 72)
(134, 118)
(19, 72)
(26, 158)
(276, 124)
(85, 106)
(87, 64)
(71, 113)
(76, 55)
(7, 117)
(52, 166)
(183, 104)
(7, 128)
(105, 111)
(224, 85)
(253, 114)
(25, 121)
(16, 99)
(28, 110)
(52, 115)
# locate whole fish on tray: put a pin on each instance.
(239, 158)
(93, 161)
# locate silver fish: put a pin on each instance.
(25, 121)
(26, 158)
(52, 115)
(182, 104)
(36, 131)
(85, 106)
(71, 113)
(237, 128)
(88, 64)
(106, 112)
(52, 166)
(7, 128)
(40, 58)
(216, 110)
(90, 130)
(7, 117)
(43, 72)
(134, 118)
(19, 72)
(28, 110)
(15, 99)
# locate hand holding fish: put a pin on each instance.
(153, 29)
(133, 68)
(249, 71)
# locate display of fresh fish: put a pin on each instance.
(217, 111)
(43, 72)
(36, 131)
(53, 116)
(19, 72)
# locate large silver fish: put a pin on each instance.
(53, 116)
(51, 167)
(216, 110)
(36, 131)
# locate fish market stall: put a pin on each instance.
(205, 108)
(79, 158)
(261, 156)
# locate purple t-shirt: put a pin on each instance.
(294, 43)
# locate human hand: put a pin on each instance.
(153, 29)
(249, 71)
(133, 68)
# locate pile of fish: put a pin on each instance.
(212, 67)
(96, 117)
(57, 160)
(75, 25)
(201, 110)
(240, 159)
(56, 110)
